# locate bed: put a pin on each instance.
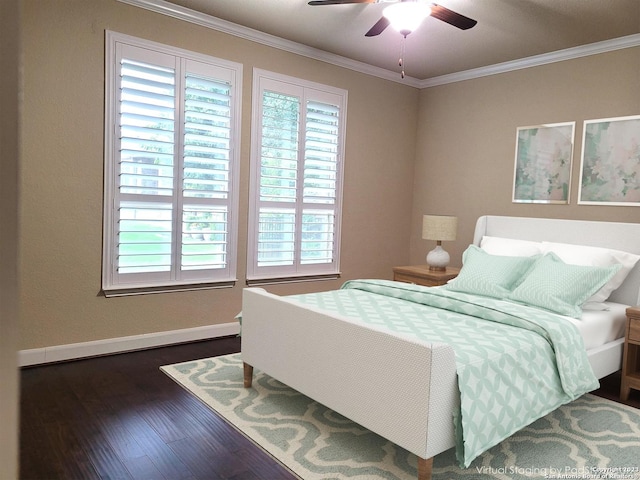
(412, 389)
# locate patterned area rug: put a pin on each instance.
(589, 438)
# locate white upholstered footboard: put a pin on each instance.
(402, 389)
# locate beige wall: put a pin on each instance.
(467, 133)
(447, 150)
(62, 170)
(9, 155)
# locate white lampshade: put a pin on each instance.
(439, 227)
(405, 17)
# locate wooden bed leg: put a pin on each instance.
(425, 465)
(248, 374)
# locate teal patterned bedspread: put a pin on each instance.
(514, 363)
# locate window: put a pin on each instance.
(296, 178)
(171, 161)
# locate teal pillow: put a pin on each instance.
(559, 287)
(490, 275)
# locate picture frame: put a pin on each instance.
(610, 165)
(543, 159)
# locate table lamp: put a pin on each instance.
(439, 228)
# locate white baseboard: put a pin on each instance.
(73, 351)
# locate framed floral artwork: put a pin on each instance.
(542, 172)
(610, 168)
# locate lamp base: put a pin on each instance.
(438, 259)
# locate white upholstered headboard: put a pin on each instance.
(618, 236)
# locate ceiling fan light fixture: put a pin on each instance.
(405, 17)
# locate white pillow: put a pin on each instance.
(598, 257)
(510, 247)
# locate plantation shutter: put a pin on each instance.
(320, 187)
(278, 179)
(206, 174)
(170, 175)
(146, 166)
(296, 187)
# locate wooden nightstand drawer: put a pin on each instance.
(634, 329)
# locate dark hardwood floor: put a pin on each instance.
(119, 417)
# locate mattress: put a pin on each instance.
(598, 327)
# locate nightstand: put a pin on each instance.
(421, 275)
(631, 357)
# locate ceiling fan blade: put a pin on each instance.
(316, 3)
(378, 28)
(451, 17)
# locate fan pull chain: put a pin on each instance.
(401, 60)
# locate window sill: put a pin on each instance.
(147, 290)
(254, 282)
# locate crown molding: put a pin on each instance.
(176, 11)
(224, 26)
(535, 61)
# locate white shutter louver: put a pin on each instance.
(276, 237)
(144, 241)
(207, 138)
(279, 148)
(321, 153)
(147, 98)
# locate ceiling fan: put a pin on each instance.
(406, 15)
